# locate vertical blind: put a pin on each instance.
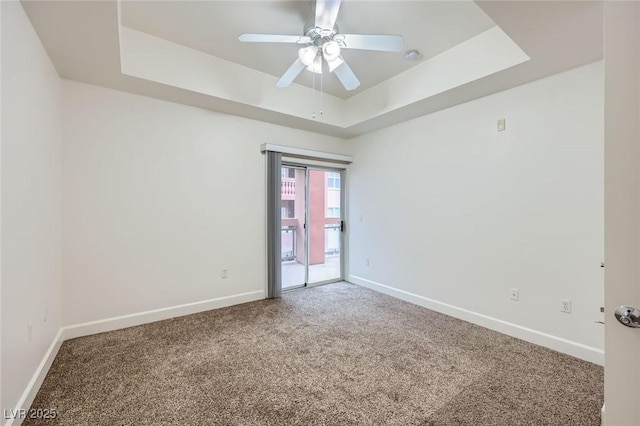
(274, 223)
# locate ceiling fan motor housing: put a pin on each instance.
(320, 36)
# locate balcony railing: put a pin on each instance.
(288, 188)
(332, 238)
(288, 242)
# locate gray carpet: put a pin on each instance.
(330, 355)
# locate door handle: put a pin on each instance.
(628, 315)
(342, 226)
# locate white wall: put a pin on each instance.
(31, 207)
(452, 214)
(158, 198)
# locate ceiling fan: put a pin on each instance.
(324, 42)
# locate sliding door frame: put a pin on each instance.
(309, 159)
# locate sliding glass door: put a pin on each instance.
(325, 207)
(312, 225)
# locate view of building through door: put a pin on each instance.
(311, 206)
(325, 226)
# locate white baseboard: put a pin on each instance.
(559, 344)
(29, 394)
(124, 321)
(117, 323)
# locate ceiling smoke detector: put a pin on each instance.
(412, 55)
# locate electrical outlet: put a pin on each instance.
(514, 294)
(502, 124)
(366, 261)
(565, 305)
(29, 332)
(224, 273)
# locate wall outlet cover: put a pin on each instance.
(514, 294)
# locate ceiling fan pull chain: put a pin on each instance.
(321, 103)
(313, 79)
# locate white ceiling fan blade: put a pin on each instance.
(291, 74)
(273, 38)
(335, 63)
(327, 13)
(347, 77)
(386, 43)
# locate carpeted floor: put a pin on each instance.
(332, 355)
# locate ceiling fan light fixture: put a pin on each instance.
(331, 51)
(316, 65)
(308, 55)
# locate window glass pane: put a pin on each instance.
(333, 180)
(333, 212)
